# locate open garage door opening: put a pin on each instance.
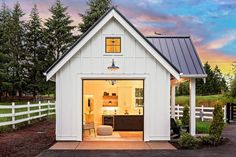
(113, 110)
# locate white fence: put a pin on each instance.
(203, 113)
(28, 112)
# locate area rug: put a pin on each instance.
(114, 137)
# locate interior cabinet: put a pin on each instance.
(124, 122)
(125, 96)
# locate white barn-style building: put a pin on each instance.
(160, 62)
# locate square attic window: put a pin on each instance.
(113, 45)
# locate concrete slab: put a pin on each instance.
(109, 145)
(161, 145)
(64, 146)
(112, 145)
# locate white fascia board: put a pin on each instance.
(193, 76)
(153, 52)
(80, 44)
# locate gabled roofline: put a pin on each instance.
(166, 63)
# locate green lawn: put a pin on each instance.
(203, 127)
(207, 101)
(4, 111)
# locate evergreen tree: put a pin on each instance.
(4, 59)
(232, 91)
(220, 82)
(96, 9)
(15, 50)
(183, 89)
(58, 32)
(215, 83)
(36, 53)
(217, 124)
(186, 117)
(207, 88)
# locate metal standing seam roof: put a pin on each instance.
(180, 51)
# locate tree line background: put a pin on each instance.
(29, 47)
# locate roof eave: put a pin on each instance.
(193, 75)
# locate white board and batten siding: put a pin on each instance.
(91, 62)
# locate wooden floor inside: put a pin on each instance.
(111, 145)
(116, 136)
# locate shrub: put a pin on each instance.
(178, 122)
(210, 140)
(217, 124)
(188, 141)
(186, 118)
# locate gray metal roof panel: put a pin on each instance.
(179, 50)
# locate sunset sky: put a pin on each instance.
(211, 23)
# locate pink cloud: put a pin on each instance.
(221, 42)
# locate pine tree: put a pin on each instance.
(96, 9)
(36, 53)
(16, 50)
(58, 32)
(208, 87)
(220, 82)
(217, 124)
(4, 59)
(232, 91)
(215, 82)
(183, 89)
(186, 117)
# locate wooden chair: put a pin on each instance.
(175, 129)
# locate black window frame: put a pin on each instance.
(112, 45)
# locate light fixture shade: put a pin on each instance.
(112, 82)
(113, 67)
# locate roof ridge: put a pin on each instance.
(169, 36)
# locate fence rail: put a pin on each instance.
(203, 113)
(27, 112)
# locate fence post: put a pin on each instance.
(225, 113)
(232, 111)
(13, 115)
(228, 112)
(202, 113)
(28, 109)
(48, 107)
(178, 111)
(39, 110)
